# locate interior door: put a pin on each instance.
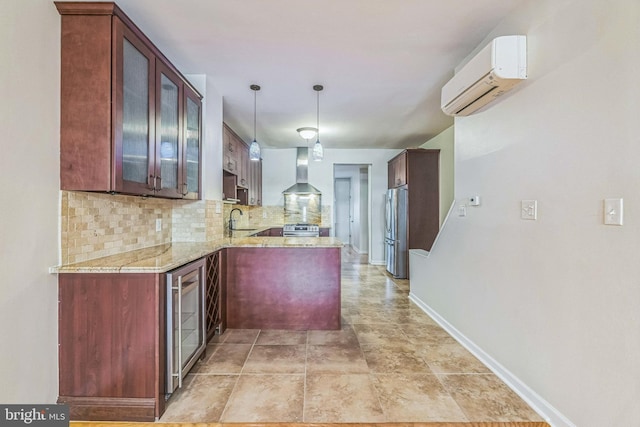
(342, 194)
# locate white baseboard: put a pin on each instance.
(358, 250)
(550, 414)
(378, 262)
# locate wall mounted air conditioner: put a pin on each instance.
(493, 71)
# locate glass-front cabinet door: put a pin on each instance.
(192, 138)
(133, 111)
(168, 138)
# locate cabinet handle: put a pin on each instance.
(230, 166)
(398, 181)
(185, 189)
(154, 185)
(151, 182)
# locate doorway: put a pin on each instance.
(342, 194)
(352, 208)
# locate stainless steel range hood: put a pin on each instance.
(302, 185)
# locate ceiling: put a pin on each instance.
(382, 62)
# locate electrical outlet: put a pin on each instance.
(158, 224)
(529, 209)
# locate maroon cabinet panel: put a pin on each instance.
(283, 288)
(111, 346)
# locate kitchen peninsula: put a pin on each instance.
(275, 276)
(113, 324)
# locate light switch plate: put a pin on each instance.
(218, 207)
(613, 211)
(529, 209)
(158, 224)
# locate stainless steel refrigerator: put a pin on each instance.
(396, 247)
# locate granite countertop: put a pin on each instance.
(163, 258)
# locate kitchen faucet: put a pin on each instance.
(231, 217)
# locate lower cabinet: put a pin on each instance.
(112, 336)
(111, 340)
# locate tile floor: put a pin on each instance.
(389, 363)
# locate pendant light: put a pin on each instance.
(307, 132)
(318, 152)
(254, 148)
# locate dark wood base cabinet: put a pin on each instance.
(283, 288)
(112, 346)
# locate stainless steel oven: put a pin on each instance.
(185, 321)
(301, 230)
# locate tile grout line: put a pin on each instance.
(304, 386)
(239, 375)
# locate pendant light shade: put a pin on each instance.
(318, 152)
(254, 148)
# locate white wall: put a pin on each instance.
(29, 212)
(211, 136)
(363, 222)
(444, 142)
(279, 173)
(554, 301)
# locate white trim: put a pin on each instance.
(550, 414)
(444, 223)
(377, 262)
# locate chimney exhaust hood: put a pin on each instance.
(302, 185)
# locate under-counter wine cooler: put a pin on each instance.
(185, 321)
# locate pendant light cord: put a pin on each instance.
(255, 89)
(318, 88)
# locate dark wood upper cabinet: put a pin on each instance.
(418, 169)
(242, 178)
(397, 174)
(230, 151)
(192, 172)
(130, 122)
(243, 165)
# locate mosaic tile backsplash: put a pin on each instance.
(263, 216)
(94, 225)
